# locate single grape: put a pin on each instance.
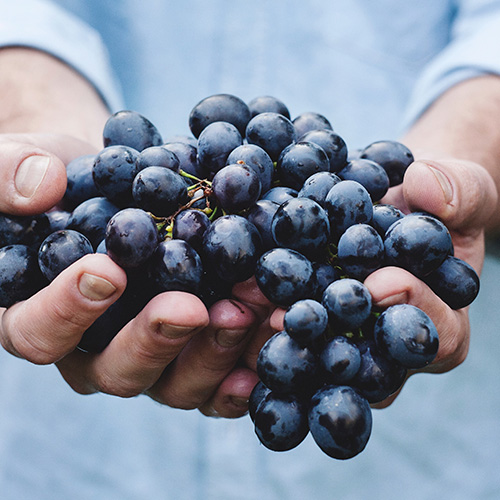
(360, 251)
(384, 216)
(190, 225)
(267, 104)
(340, 421)
(158, 156)
(131, 237)
(393, 156)
(318, 185)
(285, 366)
(339, 360)
(175, 265)
(61, 249)
(417, 243)
(281, 422)
(310, 120)
(455, 282)
(305, 321)
(302, 225)
(159, 190)
(187, 155)
(231, 247)
(273, 132)
(285, 276)
(80, 183)
(114, 170)
(236, 187)
(299, 161)
(369, 174)
(130, 128)
(348, 303)
(217, 108)
(261, 215)
(279, 194)
(407, 335)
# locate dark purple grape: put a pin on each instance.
(159, 190)
(318, 185)
(158, 156)
(417, 243)
(384, 216)
(236, 187)
(215, 143)
(305, 321)
(267, 104)
(360, 251)
(130, 128)
(175, 265)
(114, 170)
(231, 247)
(280, 194)
(392, 156)
(219, 108)
(347, 203)
(181, 139)
(91, 218)
(339, 360)
(61, 249)
(29, 230)
(369, 174)
(298, 161)
(131, 237)
(407, 335)
(190, 225)
(302, 225)
(257, 159)
(285, 276)
(348, 303)
(281, 422)
(285, 366)
(310, 120)
(20, 276)
(454, 282)
(378, 376)
(80, 183)
(333, 145)
(340, 421)
(273, 132)
(261, 215)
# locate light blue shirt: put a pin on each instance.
(371, 68)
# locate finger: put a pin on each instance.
(462, 194)
(139, 353)
(249, 293)
(392, 285)
(231, 397)
(33, 172)
(49, 324)
(207, 359)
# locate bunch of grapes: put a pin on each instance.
(254, 193)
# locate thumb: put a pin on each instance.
(461, 193)
(33, 170)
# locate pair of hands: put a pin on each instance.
(176, 351)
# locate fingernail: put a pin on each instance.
(444, 182)
(399, 298)
(229, 338)
(95, 288)
(30, 174)
(175, 331)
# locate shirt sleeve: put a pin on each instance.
(473, 51)
(44, 26)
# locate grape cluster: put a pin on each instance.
(254, 193)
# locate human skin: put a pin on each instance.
(175, 350)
